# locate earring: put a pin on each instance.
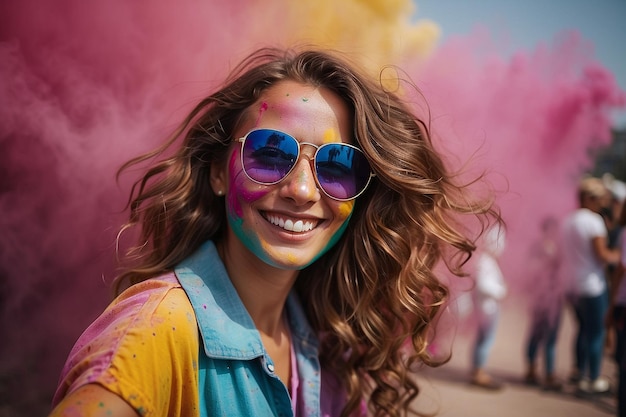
(220, 192)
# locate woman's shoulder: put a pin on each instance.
(146, 303)
(157, 305)
(139, 293)
(150, 327)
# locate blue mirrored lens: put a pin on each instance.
(342, 171)
(269, 155)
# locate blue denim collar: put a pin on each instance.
(227, 329)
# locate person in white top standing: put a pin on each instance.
(490, 289)
(585, 256)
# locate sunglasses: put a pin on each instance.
(341, 170)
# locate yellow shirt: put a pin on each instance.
(144, 348)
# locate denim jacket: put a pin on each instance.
(236, 375)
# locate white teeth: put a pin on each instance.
(298, 226)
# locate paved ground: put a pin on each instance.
(447, 389)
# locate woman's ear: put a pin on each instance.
(219, 178)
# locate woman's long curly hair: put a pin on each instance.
(375, 297)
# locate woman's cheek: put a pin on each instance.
(240, 196)
(239, 192)
(344, 212)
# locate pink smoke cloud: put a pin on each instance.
(530, 120)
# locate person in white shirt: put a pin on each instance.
(489, 290)
(585, 256)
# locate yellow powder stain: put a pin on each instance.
(330, 136)
(289, 258)
(292, 259)
(345, 208)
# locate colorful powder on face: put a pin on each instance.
(345, 208)
(239, 187)
(262, 109)
(246, 235)
(238, 194)
(289, 259)
(330, 136)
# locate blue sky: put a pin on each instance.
(527, 23)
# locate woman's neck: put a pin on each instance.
(263, 289)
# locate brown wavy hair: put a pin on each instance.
(375, 297)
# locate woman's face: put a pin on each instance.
(292, 223)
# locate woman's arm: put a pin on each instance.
(603, 252)
(93, 400)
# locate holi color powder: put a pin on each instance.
(86, 86)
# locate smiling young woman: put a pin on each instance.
(286, 258)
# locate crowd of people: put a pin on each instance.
(576, 265)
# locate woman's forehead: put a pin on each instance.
(302, 110)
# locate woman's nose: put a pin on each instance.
(300, 184)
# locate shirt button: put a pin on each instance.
(270, 367)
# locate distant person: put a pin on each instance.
(546, 295)
(585, 257)
(613, 210)
(489, 290)
(611, 215)
(616, 317)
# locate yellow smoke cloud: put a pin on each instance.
(377, 32)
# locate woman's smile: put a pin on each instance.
(290, 224)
